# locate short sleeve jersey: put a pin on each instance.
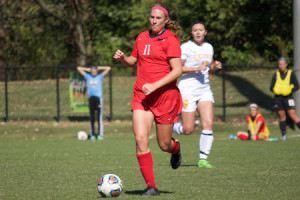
(94, 85)
(195, 55)
(152, 54)
(259, 118)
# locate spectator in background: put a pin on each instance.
(94, 90)
(257, 128)
(284, 83)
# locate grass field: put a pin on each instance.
(42, 159)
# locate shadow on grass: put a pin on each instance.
(188, 165)
(253, 94)
(247, 89)
(139, 192)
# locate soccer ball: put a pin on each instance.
(110, 185)
(81, 135)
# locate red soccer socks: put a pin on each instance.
(175, 148)
(146, 166)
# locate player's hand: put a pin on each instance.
(218, 65)
(119, 55)
(148, 88)
(203, 67)
(253, 137)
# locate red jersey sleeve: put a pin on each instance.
(135, 49)
(173, 47)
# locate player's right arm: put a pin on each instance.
(129, 61)
(83, 70)
(256, 131)
(192, 69)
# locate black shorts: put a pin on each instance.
(284, 103)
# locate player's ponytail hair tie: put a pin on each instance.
(162, 9)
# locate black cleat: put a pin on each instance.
(176, 158)
(150, 191)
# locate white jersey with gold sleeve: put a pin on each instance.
(195, 55)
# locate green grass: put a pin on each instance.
(36, 100)
(44, 160)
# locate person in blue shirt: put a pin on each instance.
(94, 90)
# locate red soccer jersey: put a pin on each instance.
(152, 54)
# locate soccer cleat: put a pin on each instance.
(92, 137)
(99, 137)
(204, 164)
(284, 138)
(176, 158)
(150, 191)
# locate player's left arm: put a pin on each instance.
(256, 130)
(215, 65)
(295, 82)
(175, 73)
(105, 68)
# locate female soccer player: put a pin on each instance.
(197, 60)
(257, 128)
(284, 83)
(94, 89)
(156, 97)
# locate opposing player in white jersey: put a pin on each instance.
(197, 60)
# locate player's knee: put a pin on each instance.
(188, 130)
(164, 146)
(282, 118)
(141, 143)
(208, 124)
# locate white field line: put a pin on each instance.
(292, 136)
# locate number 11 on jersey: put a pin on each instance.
(147, 49)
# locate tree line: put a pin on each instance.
(87, 32)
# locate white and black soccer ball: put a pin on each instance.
(110, 185)
(81, 135)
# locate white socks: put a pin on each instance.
(177, 128)
(205, 143)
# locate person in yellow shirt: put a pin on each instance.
(257, 128)
(284, 83)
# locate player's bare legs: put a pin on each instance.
(206, 112)
(187, 125)
(167, 143)
(281, 114)
(293, 115)
(282, 120)
(142, 123)
(164, 136)
(188, 122)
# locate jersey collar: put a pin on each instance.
(154, 36)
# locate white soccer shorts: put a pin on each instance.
(190, 100)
